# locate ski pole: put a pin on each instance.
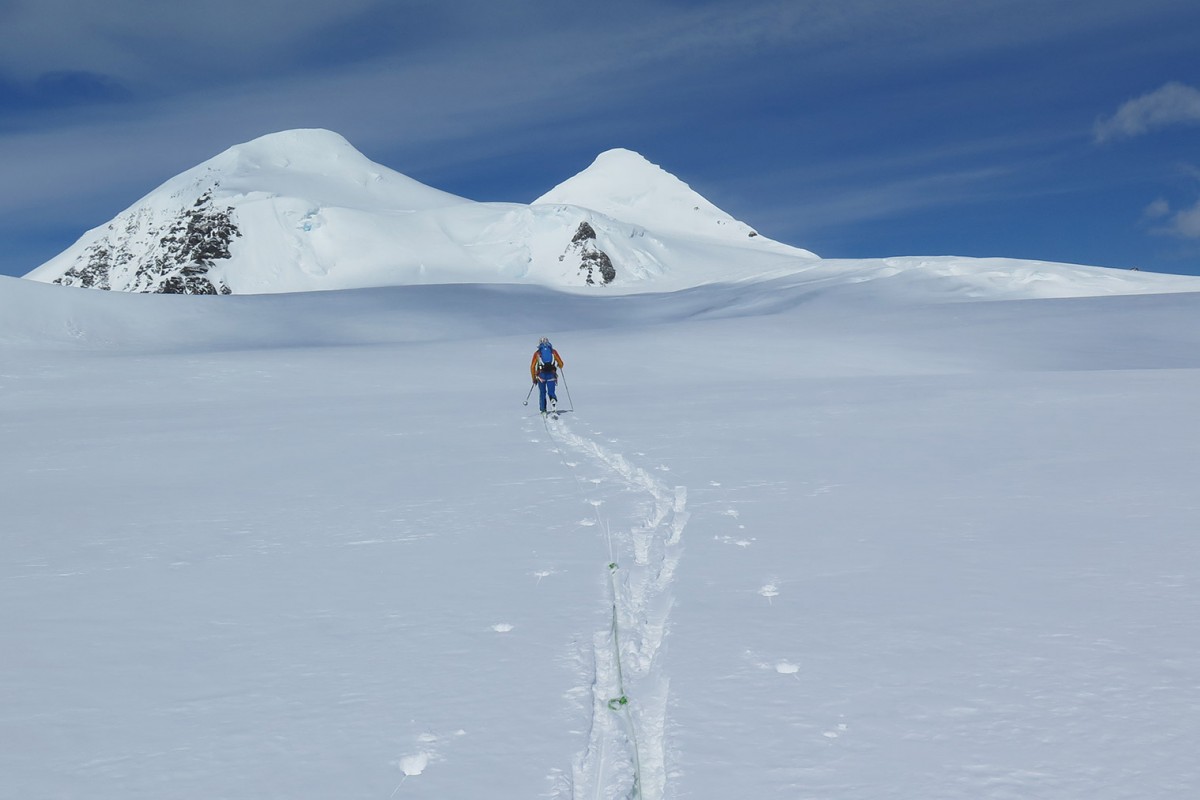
(568, 388)
(529, 394)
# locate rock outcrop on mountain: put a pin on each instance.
(594, 263)
(161, 256)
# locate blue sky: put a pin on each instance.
(1065, 130)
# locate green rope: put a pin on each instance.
(621, 703)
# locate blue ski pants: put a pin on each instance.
(546, 387)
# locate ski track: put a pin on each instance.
(626, 751)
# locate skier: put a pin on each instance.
(544, 370)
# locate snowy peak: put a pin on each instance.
(308, 150)
(315, 164)
(250, 220)
(624, 185)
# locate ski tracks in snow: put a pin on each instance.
(626, 749)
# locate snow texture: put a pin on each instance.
(825, 538)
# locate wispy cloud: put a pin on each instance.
(1159, 209)
(147, 43)
(881, 200)
(1186, 223)
(1173, 104)
(1183, 223)
(1180, 221)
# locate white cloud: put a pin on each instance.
(138, 42)
(1182, 224)
(1173, 104)
(1159, 209)
(1186, 224)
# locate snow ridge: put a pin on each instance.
(630, 679)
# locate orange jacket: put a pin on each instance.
(535, 363)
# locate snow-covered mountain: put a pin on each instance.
(303, 210)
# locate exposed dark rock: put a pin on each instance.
(594, 263)
(598, 261)
(201, 237)
(583, 233)
(93, 272)
(176, 261)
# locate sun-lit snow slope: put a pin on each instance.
(868, 544)
(35, 314)
(623, 185)
(309, 211)
(303, 210)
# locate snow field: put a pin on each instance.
(314, 547)
(1019, 631)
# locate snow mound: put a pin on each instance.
(957, 279)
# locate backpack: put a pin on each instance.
(546, 357)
